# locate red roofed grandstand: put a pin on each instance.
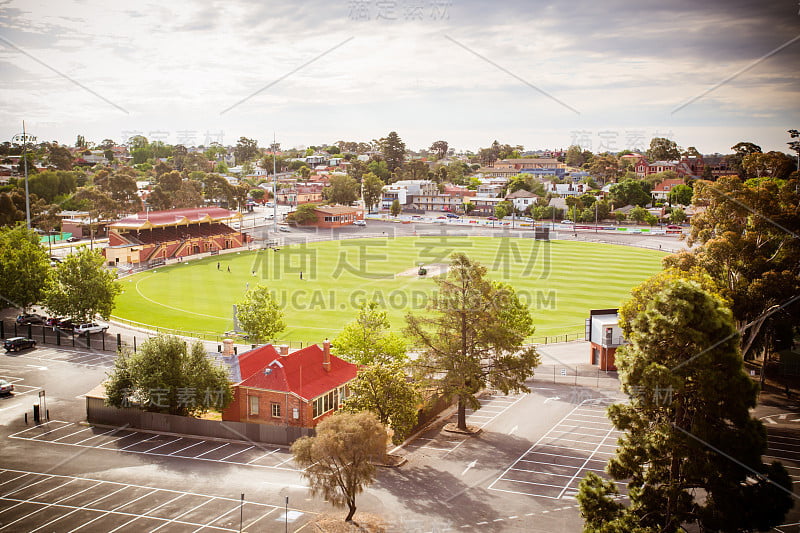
(155, 236)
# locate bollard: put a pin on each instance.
(58, 337)
(235, 351)
(30, 331)
(2, 330)
(15, 329)
(47, 414)
(73, 338)
(134, 344)
(219, 348)
(26, 418)
(36, 413)
(103, 340)
(119, 340)
(88, 341)
(44, 338)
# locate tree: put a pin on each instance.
(260, 315)
(165, 376)
(372, 188)
(471, 336)
(677, 216)
(503, 209)
(741, 150)
(688, 427)
(304, 214)
(245, 150)
(394, 151)
(338, 462)
(469, 207)
(439, 148)
(774, 164)
(380, 169)
(395, 209)
(342, 190)
(415, 170)
(368, 341)
(60, 157)
(629, 192)
(604, 167)
(746, 237)
(81, 287)
(24, 267)
(387, 392)
(681, 195)
(638, 214)
(662, 149)
(575, 156)
(650, 219)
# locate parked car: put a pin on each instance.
(6, 387)
(52, 321)
(73, 239)
(360, 223)
(284, 229)
(30, 318)
(492, 218)
(441, 218)
(91, 328)
(64, 324)
(673, 226)
(567, 222)
(15, 344)
(526, 219)
(452, 215)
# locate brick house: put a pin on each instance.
(296, 389)
(662, 190)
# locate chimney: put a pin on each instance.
(283, 349)
(227, 347)
(326, 355)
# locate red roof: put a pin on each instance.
(175, 217)
(667, 183)
(300, 372)
(252, 361)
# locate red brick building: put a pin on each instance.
(605, 336)
(333, 216)
(296, 389)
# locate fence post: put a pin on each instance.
(598, 378)
(30, 331)
(44, 336)
(73, 338)
(576, 375)
(58, 337)
(119, 340)
(2, 329)
(88, 341)
(15, 329)
(554, 372)
(134, 344)
(103, 340)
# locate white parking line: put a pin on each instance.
(262, 456)
(236, 453)
(207, 524)
(213, 450)
(135, 443)
(162, 445)
(70, 434)
(187, 447)
(100, 434)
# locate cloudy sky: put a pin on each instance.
(604, 74)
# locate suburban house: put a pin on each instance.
(522, 199)
(605, 336)
(404, 192)
(333, 216)
(436, 202)
(299, 388)
(662, 190)
(688, 166)
(565, 190)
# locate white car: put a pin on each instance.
(91, 328)
(360, 223)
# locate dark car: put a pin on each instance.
(30, 318)
(673, 226)
(52, 321)
(491, 218)
(15, 344)
(73, 239)
(6, 387)
(452, 215)
(64, 324)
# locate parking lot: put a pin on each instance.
(56, 432)
(783, 444)
(47, 354)
(32, 501)
(579, 443)
(439, 443)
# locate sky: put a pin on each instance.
(605, 75)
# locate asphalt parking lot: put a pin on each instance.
(32, 501)
(434, 442)
(783, 444)
(121, 440)
(581, 442)
(50, 354)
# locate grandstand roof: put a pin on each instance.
(174, 217)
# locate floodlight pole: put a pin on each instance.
(274, 187)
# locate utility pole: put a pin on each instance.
(24, 138)
(274, 185)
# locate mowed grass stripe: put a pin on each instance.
(560, 281)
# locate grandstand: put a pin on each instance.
(152, 237)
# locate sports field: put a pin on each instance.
(319, 285)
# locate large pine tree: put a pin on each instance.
(691, 451)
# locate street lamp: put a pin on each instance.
(25, 138)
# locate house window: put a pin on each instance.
(253, 405)
(276, 410)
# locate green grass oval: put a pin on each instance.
(560, 281)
